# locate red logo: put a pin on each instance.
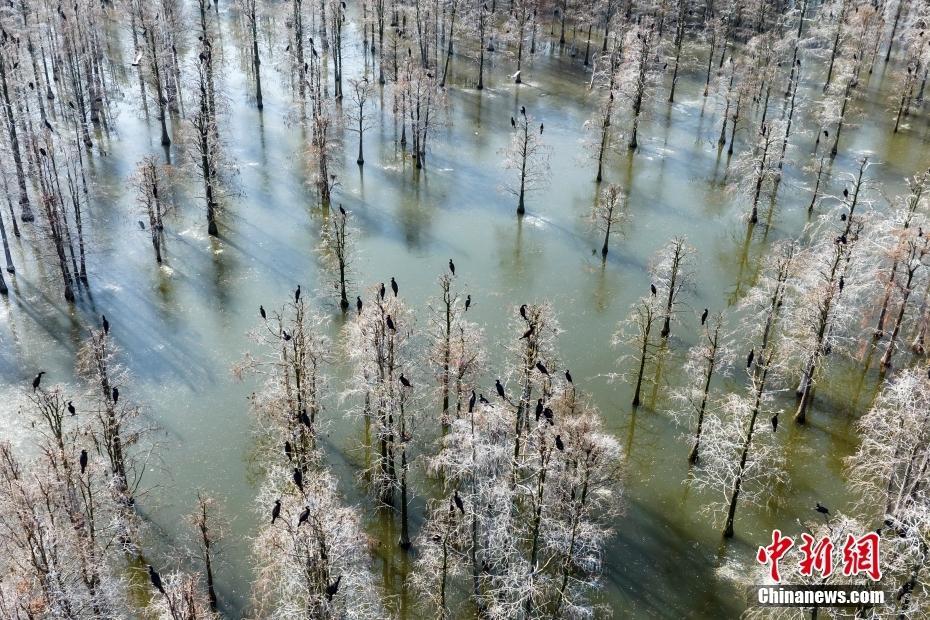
(860, 555)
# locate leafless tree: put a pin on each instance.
(529, 157)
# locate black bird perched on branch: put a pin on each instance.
(358, 305)
(540, 128)
(155, 578)
(261, 311)
(106, 324)
(528, 332)
(845, 192)
(381, 291)
(483, 400)
(750, 357)
(547, 413)
(523, 312)
(568, 376)
(71, 408)
(276, 511)
(333, 588)
(704, 316)
(288, 450)
(115, 395)
(458, 501)
(390, 323)
(499, 388)
(305, 419)
(822, 509)
(37, 381)
(341, 210)
(285, 335)
(83, 461)
(652, 288)
(404, 381)
(297, 294)
(299, 479)
(842, 283)
(467, 302)
(141, 225)
(513, 122)
(304, 515)
(539, 408)
(471, 401)
(523, 110)
(451, 266)
(559, 444)
(774, 423)
(541, 368)
(394, 286)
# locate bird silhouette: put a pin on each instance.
(540, 129)
(333, 588)
(83, 461)
(261, 311)
(822, 509)
(467, 302)
(297, 294)
(568, 376)
(106, 324)
(704, 316)
(115, 395)
(652, 288)
(539, 408)
(288, 450)
(299, 479)
(305, 419)
(342, 211)
(451, 266)
(155, 578)
(550, 417)
(458, 501)
(842, 282)
(559, 443)
(471, 401)
(285, 335)
(390, 323)
(774, 423)
(394, 286)
(845, 192)
(358, 305)
(303, 516)
(404, 381)
(37, 381)
(750, 357)
(381, 291)
(541, 368)
(71, 408)
(275, 511)
(483, 400)
(141, 225)
(523, 312)
(499, 388)
(523, 110)
(513, 122)
(528, 332)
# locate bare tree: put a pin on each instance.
(609, 212)
(360, 120)
(672, 275)
(529, 157)
(337, 249)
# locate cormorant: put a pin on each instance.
(483, 400)
(394, 286)
(513, 122)
(71, 408)
(541, 368)
(568, 375)
(704, 316)
(276, 511)
(106, 324)
(523, 312)
(390, 323)
(83, 461)
(304, 515)
(471, 401)
(749, 358)
(842, 283)
(540, 129)
(652, 288)
(458, 501)
(358, 305)
(539, 408)
(305, 419)
(822, 509)
(288, 450)
(297, 294)
(285, 335)
(261, 311)
(115, 395)
(404, 381)
(299, 479)
(155, 578)
(467, 302)
(499, 388)
(523, 110)
(559, 444)
(341, 210)
(845, 193)
(37, 381)
(547, 413)
(141, 225)
(381, 291)
(774, 423)
(333, 588)
(528, 333)
(451, 266)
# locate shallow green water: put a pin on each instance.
(184, 326)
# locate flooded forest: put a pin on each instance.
(498, 309)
